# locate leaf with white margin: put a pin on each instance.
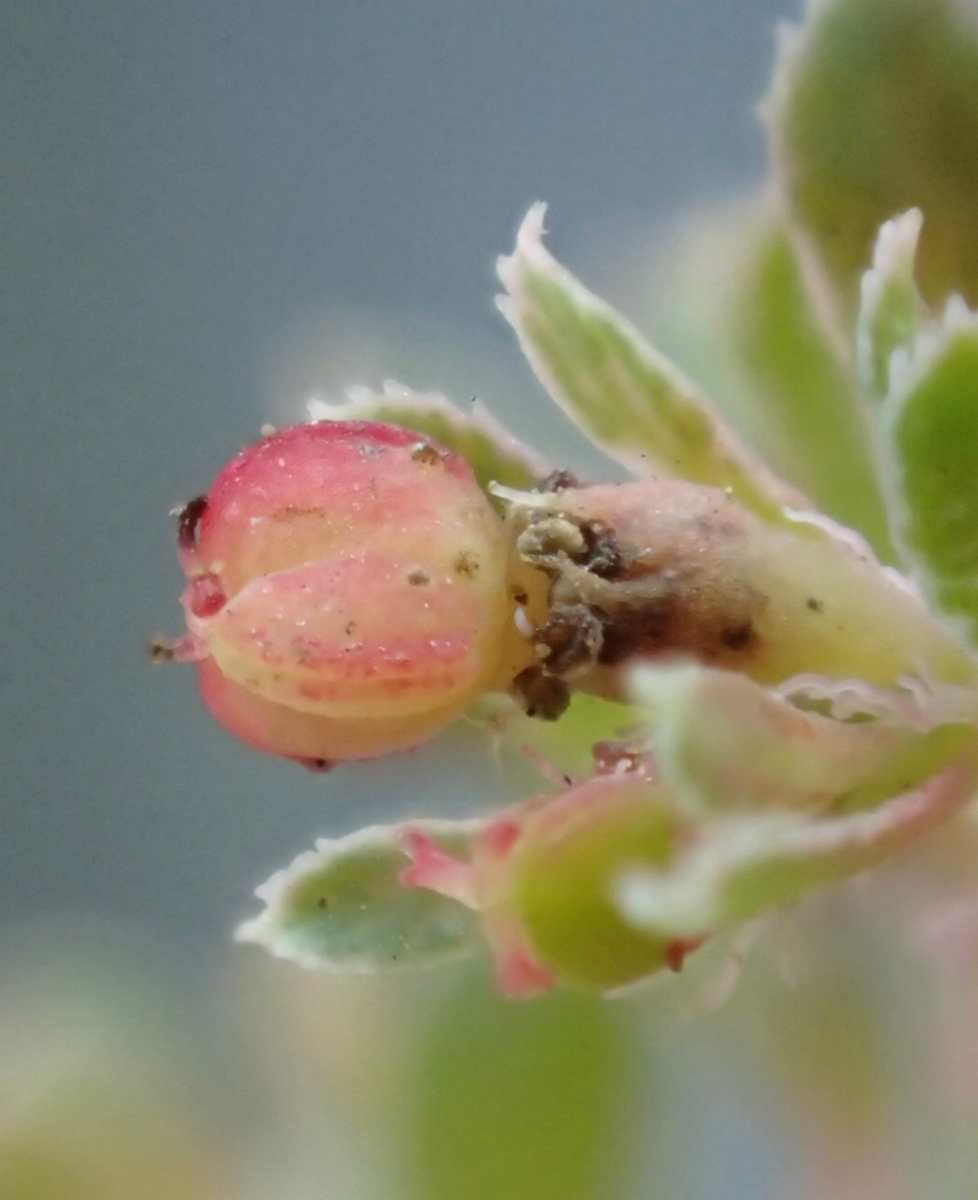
(723, 743)
(929, 434)
(808, 416)
(891, 311)
(342, 907)
(494, 454)
(626, 397)
(874, 109)
(922, 705)
(723, 295)
(746, 864)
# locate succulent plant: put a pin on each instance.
(794, 700)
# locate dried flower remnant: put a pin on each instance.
(348, 592)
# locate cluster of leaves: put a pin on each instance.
(791, 700)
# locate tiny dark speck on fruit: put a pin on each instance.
(466, 563)
(322, 902)
(428, 455)
(815, 605)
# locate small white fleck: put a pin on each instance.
(523, 622)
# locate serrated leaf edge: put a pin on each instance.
(261, 929)
(362, 403)
(690, 899)
(530, 252)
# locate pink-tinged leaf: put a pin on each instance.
(744, 865)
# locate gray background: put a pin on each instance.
(208, 210)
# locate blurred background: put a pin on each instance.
(210, 212)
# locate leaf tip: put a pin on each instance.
(528, 248)
(253, 931)
(789, 40)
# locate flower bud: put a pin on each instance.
(565, 871)
(544, 875)
(349, 591)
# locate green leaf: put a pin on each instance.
(745, 865)
(891, 312)
(729, 303)
(627, 397)
(930, 443)
(874, 110)
(342, 906)
(723, 743)
(566, 745)
(522, 1101)
(805, 395)
(495, 454)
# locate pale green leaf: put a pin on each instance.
(721, 743)
(495, 454)
(627, 397)
(891, 311)
(342, 907)
(930, 444)
(747, 864)
(809, 420)
(729, 303)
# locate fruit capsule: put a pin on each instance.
(349, 592)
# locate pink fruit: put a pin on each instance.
(348, 591)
